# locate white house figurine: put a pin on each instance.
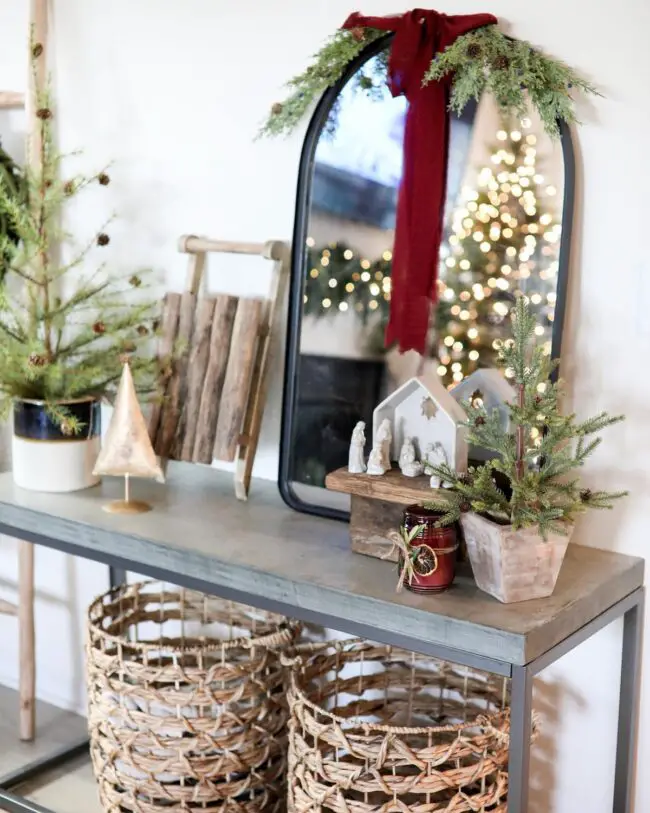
(489, 387)
(423, 410)
(356, 460)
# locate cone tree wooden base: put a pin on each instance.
(127, 507)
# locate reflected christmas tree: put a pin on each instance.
(503, 239)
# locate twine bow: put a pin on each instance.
(403, 544)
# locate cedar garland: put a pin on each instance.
(486, 60)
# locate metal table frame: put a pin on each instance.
(629, 608)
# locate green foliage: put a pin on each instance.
(11, 179)
(513, 71)
(482, 60)
(64, 328)
(306, 88)
(537, 456)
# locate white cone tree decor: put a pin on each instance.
(127, 451)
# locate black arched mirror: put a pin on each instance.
(507, 229)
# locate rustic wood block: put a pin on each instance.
(220, 341)
(177, 386)
(171, 312)
(392, 486)
(238, 376)
(198, 363)
(370, 523)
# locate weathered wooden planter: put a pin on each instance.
(513, 565)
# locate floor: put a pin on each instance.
(67, 789)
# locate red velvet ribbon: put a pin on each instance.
(419, 35)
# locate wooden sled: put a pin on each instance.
(216, 388)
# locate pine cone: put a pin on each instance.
(358, 33)
(99, 328)
(69, 188)
(538, 400)
(474, 50)
(128, 347)
(424, 562)
(501, 62)
(44, 113)
(37, 50)
(103, 239)
(480, 421)
(465, 507)
(103, 179)
(585, 495)
(36, 360)
(276, 109)
(466, 479)
(142, 330)
(135, 281)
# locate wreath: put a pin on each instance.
(513, 71)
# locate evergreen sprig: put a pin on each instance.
(12, 179)
(64, 329)
(538, 453)
(484, 60)
(329, 65)
(514, 72)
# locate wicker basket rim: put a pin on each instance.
(283, 635)
(487, 720)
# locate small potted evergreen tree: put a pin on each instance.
(64, 325)
(517, 511)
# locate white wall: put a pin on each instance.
(172, 92)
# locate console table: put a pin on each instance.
(262, 553)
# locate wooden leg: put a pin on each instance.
(26, 634)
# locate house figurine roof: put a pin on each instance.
(491, 382)
(495, 391)
(423, 410)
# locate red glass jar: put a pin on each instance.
(434, 566)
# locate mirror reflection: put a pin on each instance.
(502, 229)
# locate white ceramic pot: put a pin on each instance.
(513, 565)
(47, 459)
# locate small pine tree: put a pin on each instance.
(537, 456)
(63, 328)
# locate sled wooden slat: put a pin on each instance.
(215, 392)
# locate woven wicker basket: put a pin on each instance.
(374, 728)
(186, 702)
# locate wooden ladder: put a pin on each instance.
(24, 610)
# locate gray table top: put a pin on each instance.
(261, 551)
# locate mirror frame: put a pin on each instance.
(296, 283)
